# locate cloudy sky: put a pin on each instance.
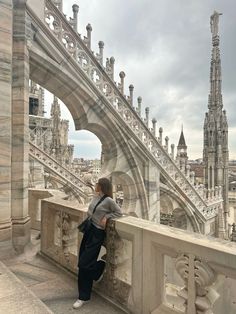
(164, 47)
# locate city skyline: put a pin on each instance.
(167, 61)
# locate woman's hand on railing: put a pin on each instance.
(103, 222)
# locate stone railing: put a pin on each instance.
(71, 180)
(150, 268)
(40, 122)
(103, 78)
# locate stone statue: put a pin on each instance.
(214, 23)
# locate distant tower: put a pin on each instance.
(60, 128)
(215, 151)
(182, 157)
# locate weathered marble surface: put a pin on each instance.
(13, 294)
(5, 118)
(20, 128)
(144, 260)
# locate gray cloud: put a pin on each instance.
(164, 46)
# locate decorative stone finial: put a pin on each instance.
(172, 146)
(110, 67)
(131, 87)
(101, 44)
(214, 22)
(139, 99)
(89, 27)
(160, 135)
(122, 76)
(166, 143)
(131, 92)
(147, 115)
(111, 64)
(75, 8)
(154, 122)
(89, 31)
(101, 47)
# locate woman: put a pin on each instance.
(89, 268)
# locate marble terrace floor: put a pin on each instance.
(54, 287)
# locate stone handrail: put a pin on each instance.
(150, 268)
(39, 121)
(65, 174)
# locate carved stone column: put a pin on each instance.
(198, 276)
(20, 127)
(5, 118)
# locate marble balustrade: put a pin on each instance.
(150, 268)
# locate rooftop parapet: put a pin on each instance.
(150, 268)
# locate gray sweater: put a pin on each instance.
(107, 208)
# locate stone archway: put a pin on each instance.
(91, 112)
(129, 190)
(180, 210)
(180, 219)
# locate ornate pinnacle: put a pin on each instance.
(147, 115)
(139, 105)
(75, 8)
(131, 91)
(172, 150)
(101, 47)
(89, 31)
(160, 135)
(154, 122)
(122, 76)
(112, 60)
(215, 98)
(89, 27)
(214, 22)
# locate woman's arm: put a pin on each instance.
(115, 213)
(115, 210)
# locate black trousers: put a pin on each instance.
(89, 268)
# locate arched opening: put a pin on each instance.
(125, 192)
(175, 212)
(90, 111)
(180, 219)
(52, 129)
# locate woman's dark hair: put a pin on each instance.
(106, 186)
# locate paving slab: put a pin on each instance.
(15, 298)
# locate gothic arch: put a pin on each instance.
(195, 223)
(166, 204)
(89, 112)
(129, 190)
(180, 219)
